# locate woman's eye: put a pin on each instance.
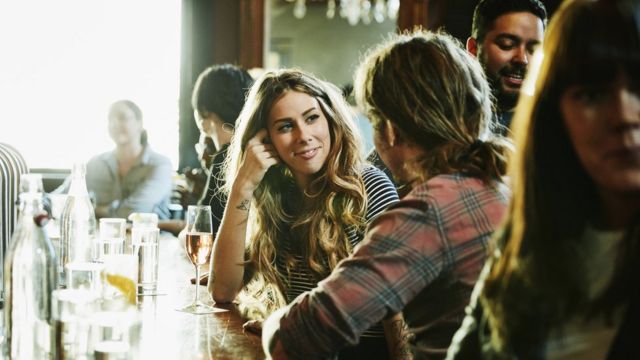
(313, 118)
(284, 127)
(588, 94)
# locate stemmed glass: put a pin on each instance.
(199, 242)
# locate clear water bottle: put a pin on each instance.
(77, 225)
(30, 269)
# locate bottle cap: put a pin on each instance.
(41, 219)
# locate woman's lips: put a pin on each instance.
(626, 154)
(307, 154)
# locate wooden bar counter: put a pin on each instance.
(170, 334)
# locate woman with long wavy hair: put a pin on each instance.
(299, 192)
(563, 281)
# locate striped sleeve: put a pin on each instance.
(380, 192)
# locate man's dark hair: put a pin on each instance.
(487, 11)
(221, 89)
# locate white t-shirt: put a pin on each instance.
(582, 339)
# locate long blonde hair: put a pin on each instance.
(337, 188)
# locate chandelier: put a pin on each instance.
(354, 10)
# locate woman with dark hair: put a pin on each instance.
(300, 196)
(132, 177)
(428, 101)
(218, 97)
(563, 280)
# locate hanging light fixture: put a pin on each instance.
(354, 11)
(299, 9)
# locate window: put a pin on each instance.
(295, 43)
(64, 62)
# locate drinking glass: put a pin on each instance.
(70, 311)
(144, 220)
(115, 334)
(120, 276)
(112, 234)
(31, 183)
(199, 242)
(84, 276)
(145, 249)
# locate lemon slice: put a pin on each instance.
(125, 285)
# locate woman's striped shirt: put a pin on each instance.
(380, 193)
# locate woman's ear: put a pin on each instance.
(472, 46)
(390, 133)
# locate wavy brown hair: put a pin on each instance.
(437, 96)
(338, 188)
(536, 279)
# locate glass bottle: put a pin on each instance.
(77, 225)
(30, 269)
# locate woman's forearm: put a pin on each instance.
(227, 268)
(397, 334)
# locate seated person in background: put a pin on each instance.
(300, 196)
(423, 255)
(563, 281)
(218, 97)
(132, 177)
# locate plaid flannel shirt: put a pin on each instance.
(422, 255)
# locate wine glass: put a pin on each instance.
(199, 242)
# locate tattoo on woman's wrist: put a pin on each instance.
(244, 205)
(404, 337)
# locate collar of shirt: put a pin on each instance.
(143, 159)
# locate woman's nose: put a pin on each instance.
(625, 107)
(303, 133)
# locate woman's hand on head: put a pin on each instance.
(259, 156)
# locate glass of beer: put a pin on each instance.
(199, 243)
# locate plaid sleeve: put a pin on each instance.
(401, 253)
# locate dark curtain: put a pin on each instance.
(214, 32)
(196, 55)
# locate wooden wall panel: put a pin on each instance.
(428, 14)
(251, 33)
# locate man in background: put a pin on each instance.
(504, 36)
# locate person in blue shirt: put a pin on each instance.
(131, 177)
